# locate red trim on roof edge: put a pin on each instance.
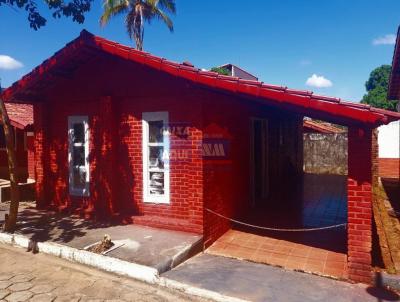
(270, 94)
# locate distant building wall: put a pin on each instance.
(389, 150)
(325, 153)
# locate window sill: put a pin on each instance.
(79, 193)
(152, 201)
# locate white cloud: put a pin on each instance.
(389, 39)
(305, 62)
(7, 62)
(318, 81)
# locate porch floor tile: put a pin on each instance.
(283, 253)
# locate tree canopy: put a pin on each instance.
(221, 70)
(74, 9)
(377, 88)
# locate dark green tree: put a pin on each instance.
(221, 70)
(377, 88)
(74, 9)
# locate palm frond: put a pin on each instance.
(113, 8)
(167, 5)
(157, 12)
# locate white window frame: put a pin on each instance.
(149, 117)
(71, 121)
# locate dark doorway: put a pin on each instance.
(259, 161)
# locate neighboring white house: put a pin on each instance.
(389, 149)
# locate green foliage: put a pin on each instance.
(377, 86)
(379, 77)
(221, 70)
(74, 9)
(137, 13)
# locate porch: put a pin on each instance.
(322, 203)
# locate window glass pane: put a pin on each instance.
(78, 155)
(156, 183)
(79, 133)
(156, 157)
(156, 131)
(79, 178)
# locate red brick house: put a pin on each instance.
(123, 132)
(21, 118)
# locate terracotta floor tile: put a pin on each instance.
(312, 268)
(334, 265)
(300, 252)
(267, 247)
(282, 249)
(336, 257)
(333, 272)
(261, 257)
(294, 262)
(318, 254)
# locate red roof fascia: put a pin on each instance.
(270, 94)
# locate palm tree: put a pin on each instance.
(137, 13)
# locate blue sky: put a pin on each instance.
(282, 42)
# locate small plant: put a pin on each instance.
(102, 246)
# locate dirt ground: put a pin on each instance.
(386, 252)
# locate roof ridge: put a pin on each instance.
(305, 100)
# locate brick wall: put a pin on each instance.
(389, 167)
(227, 185)
(114, 110)
(359, 204)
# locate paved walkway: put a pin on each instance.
(157, 248)
(323, 202)
(42, 278)
(258, 282)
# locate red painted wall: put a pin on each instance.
(115, 110)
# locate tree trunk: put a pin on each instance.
(11, 218)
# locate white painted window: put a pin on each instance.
(155, 157)
(78, 155)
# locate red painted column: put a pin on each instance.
(103, 158)
(359, 198)
(39, 146)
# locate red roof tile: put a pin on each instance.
(21, 115)
(305, 102)
(312, 126)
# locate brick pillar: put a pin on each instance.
(30, 140)
(39, 147)
(359, 198)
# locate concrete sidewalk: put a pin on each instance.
(258, 282)
(151, 247)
